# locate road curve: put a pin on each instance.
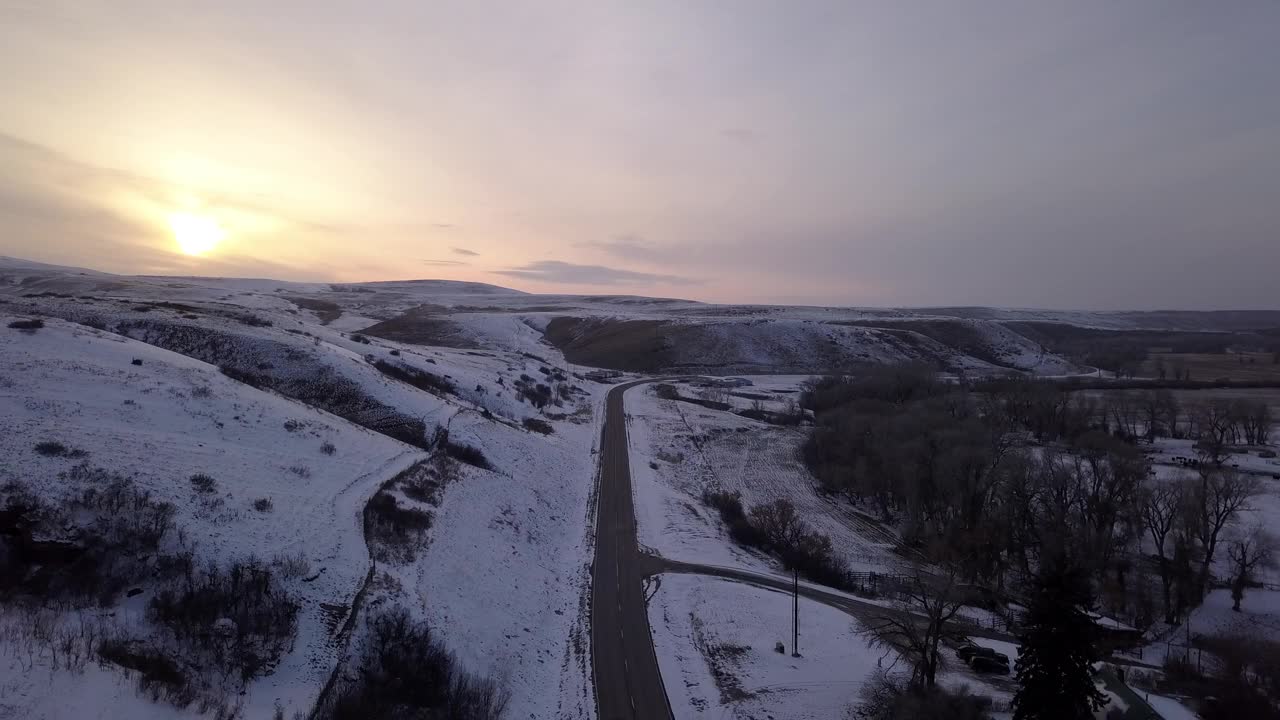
(624, 666)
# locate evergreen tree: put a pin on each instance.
(1055, 663)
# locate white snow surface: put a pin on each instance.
(172, 417)
(1169, 708)
(679, 449)
(703, 623)
(504, 575)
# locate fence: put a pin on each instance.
(873, 584)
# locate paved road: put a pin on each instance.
(862, 609)
(628, 684)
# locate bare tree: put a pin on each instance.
(1160, 508)
(1126, 410)
(1215, 429)
(1109, 476)
(1159, 413)
(1215, 501)
(928, 602)
(1248, 551)
(1255, 422)
(780, 524)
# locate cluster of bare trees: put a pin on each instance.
(952, 467)
(1222, 423)
(1052, 411)
(1187, 521)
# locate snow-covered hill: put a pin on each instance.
(150, 382)
(265, 415)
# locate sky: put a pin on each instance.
(1083, 154)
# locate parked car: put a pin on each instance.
(990, 654)
(998, 664)
(966, 650)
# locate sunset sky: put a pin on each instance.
(1073, 154)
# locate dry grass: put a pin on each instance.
(1212, 366)
(423, 325)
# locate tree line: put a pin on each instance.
(1007, 473)
(1042, 495)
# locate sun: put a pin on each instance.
(195, 234)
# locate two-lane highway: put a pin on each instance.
(627, 681)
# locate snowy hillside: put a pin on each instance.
(220, 481)
(267, 432)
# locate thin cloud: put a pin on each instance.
(629, 247)
(559, 272)
(444, 263)
(464, 251)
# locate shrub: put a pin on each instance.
(253, 320)
(396, 353)
(666, 391)
(292, 425)
(538, 394)
(201, 391)
(361, 339)
(263, 505)
(204, 484)
(776, 528)
(30, 325)
(293, 566)
(393, 531)
(328, 448)
(424, 480)
(889, 697)
(468, 454)
(238, 621)
(158, 675)
(421, 379)
(137, 361)
(51, 448)
(248, 378)
(301, 471)
(538, 426)
(405, 672)
(88, 548)
(461, 452)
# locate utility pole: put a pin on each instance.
(795, 613)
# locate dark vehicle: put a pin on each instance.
(966, 650)
(989, 654)
(989, 664)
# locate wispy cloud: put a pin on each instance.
(464, 251)
(556, 271)
(444, 263)
(629, 247)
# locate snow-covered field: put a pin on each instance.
(715, 641)
(680, 449)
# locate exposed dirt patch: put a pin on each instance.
(955, 334)
(423, 325)
(325, 310)
(633, 345)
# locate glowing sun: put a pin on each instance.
(195, 234)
